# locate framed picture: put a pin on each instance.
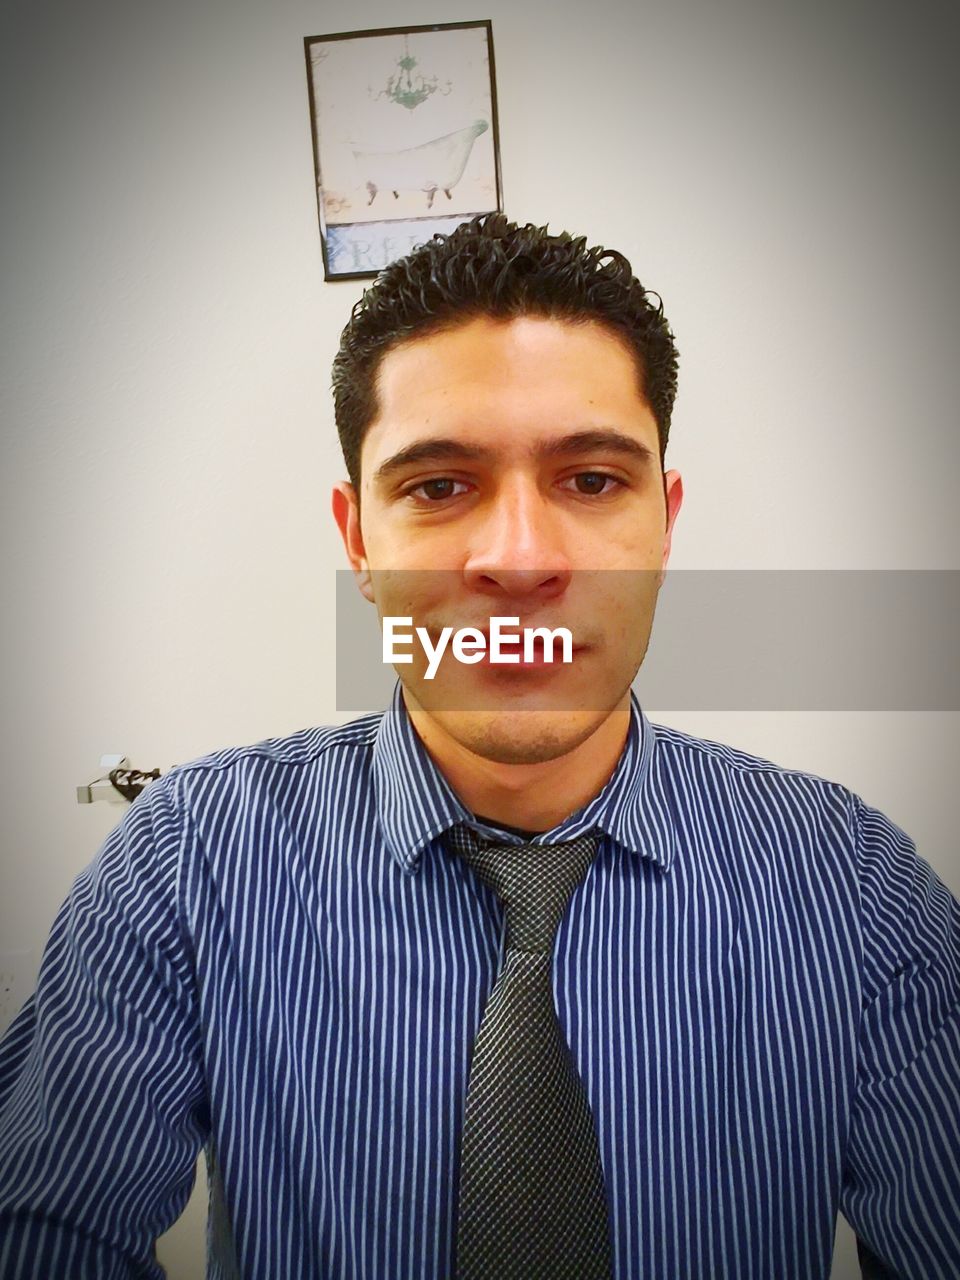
(405, 139)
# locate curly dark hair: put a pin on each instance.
(490, 266)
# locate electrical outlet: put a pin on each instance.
(18, 977)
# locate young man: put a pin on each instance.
(506, 981)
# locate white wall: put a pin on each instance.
(784, 175)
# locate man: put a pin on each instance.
(507, 980)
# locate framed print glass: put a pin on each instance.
(405, 139)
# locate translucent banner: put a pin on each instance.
(714, 640)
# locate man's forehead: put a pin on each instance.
(487, 380)
(476, 339)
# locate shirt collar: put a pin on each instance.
(415, 803)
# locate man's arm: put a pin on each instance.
(103, 1106)
(901, 1190)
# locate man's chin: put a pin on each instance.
(518, 736)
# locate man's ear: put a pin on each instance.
(673, 495)
(346, 512)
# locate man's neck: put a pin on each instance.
(535, 796)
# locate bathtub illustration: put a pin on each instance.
(433, 166)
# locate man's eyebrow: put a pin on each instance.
(435, 449)
(600, 439)
(445, 449)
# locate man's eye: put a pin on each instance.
(595, 483)
(436, 490)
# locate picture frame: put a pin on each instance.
(405, 138)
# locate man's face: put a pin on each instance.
(511, 467)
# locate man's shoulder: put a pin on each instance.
(312, 747)
(698, 761)
(745, 800)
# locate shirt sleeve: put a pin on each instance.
(901, 1187)
(103, 1106)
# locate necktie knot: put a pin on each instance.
(534, 882)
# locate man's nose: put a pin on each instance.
(519, 549)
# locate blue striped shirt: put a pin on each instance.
(274, 954)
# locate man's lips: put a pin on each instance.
(514, 652)
(538, 657)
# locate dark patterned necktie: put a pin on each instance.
(532, 1202)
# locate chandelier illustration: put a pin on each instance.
(408, 89)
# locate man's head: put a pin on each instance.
(492, 267)
(496, 393)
